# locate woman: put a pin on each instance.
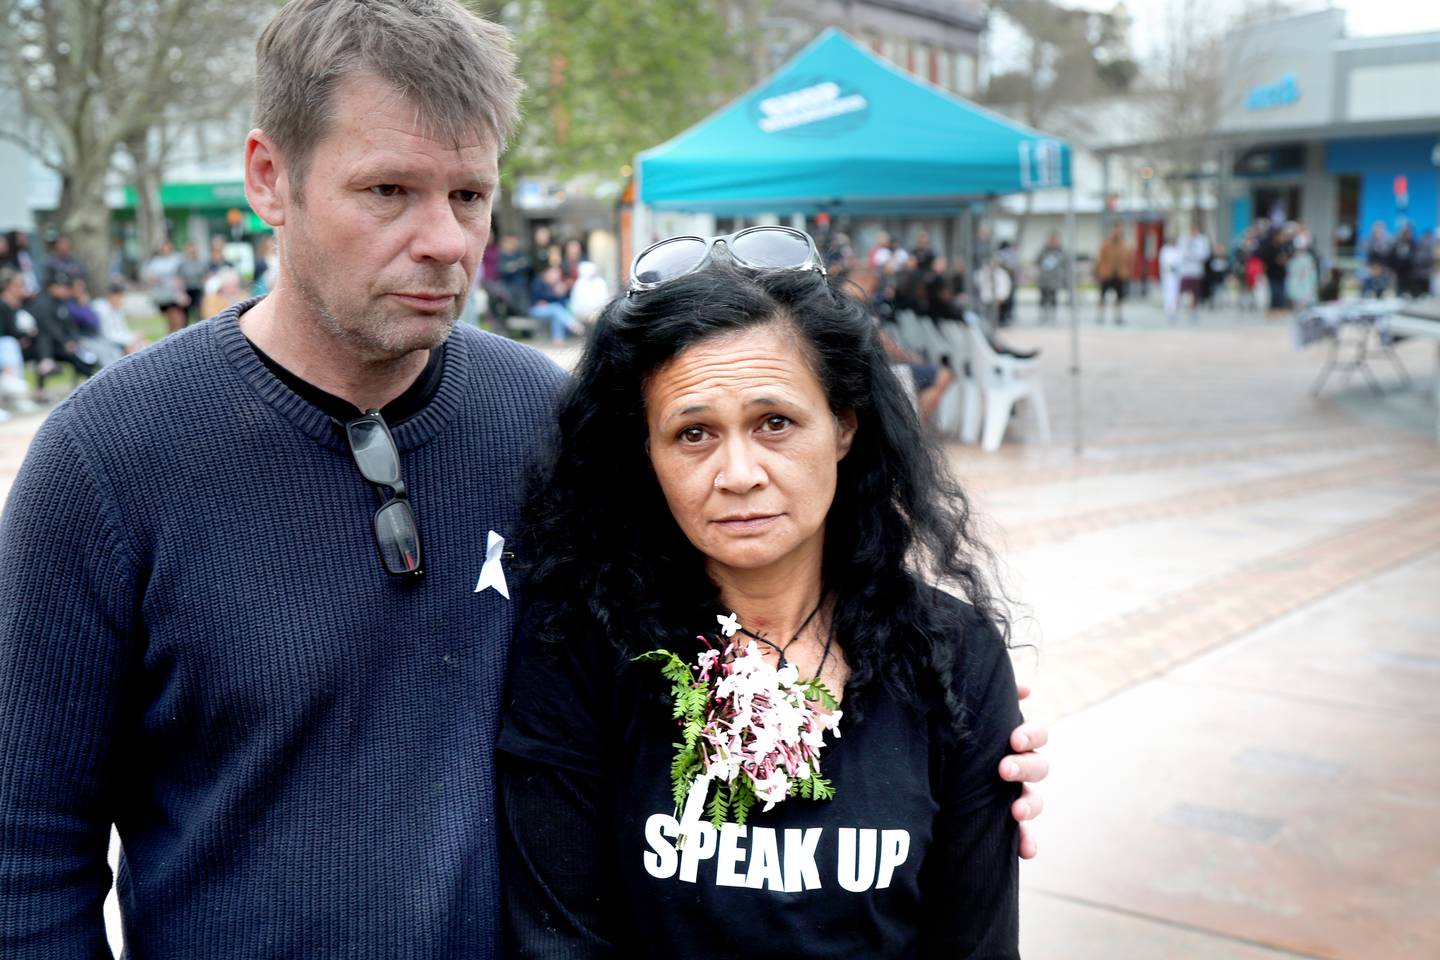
(734, 452)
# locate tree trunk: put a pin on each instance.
(85, 219)
(145, 174)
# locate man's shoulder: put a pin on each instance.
(153, 385)
(506, 362)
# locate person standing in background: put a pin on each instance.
(192, 277)
(1053, 266)
(1274, 253)
(514, 267)
(1113, 266)
(1302, 271)
(1194, 255)
(544, 254)
(1007, 256)
(1217, 272)
(1171, 262)
(1403, 261)
(1376, 250)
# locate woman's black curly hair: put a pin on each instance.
(606, 557)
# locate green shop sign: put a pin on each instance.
(205, 196)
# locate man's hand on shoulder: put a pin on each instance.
(1027, 767)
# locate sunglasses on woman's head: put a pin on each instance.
(755, 248)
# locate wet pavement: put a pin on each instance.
(1234, 596)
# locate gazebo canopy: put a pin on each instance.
(839, 129)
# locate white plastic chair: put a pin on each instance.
(1004, 380)
(959, 412)
(912, 334)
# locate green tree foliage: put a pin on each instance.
(1071, 55)
(609, 78)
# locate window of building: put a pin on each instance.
(890, 50)
(964, 82)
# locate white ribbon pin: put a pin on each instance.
(492, 574)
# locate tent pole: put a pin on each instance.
(1074, 239)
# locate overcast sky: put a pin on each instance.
(1364, 18)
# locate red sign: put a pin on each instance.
(1402, 186)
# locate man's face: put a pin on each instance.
(62, 247)
(392, 224)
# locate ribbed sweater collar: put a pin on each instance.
(315, 423)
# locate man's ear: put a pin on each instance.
(267, 184)
(846, 424)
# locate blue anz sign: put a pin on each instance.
(1282, 93)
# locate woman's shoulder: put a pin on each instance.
(956, 619)
(968, 647)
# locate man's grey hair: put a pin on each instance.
(457, 68)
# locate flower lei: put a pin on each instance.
(752, 729)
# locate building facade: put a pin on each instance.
(936, 40)
(1339, 132)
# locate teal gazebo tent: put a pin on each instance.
(839, 129)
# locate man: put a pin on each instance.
(1113, 266)
(514, 267)
(63, 260)
(57, 339)
(192, 278)
(1052, 275)
(283, 698)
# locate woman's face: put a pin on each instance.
(746, 449)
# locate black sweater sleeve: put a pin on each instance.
(554, 862)
(557, 858)
(971, 877)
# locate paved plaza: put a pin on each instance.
(1229, 604)
(1233, 594)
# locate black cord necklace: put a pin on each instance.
(825, 654)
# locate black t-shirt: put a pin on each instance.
(396, 412)
(8, 326)
(915, 856)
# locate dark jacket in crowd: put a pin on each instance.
(56, 335)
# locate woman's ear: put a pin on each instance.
(845, 425)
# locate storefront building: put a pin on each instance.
(1341, 133)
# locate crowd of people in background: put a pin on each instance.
(1273, 266)
(50, 318)
(55, 315)
(552, 282)
(1402, 264)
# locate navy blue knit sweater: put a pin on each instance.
(198, 644)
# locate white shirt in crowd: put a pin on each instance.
(1194, 252)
